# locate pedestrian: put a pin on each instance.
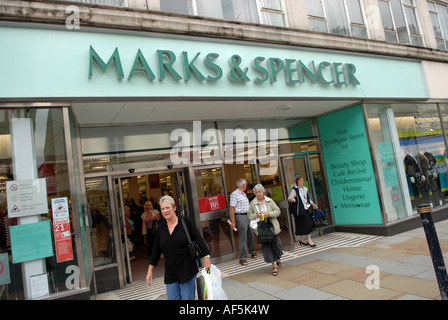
(239, 205)
(171, 240)
(299, 206)
(264, 207)
(150, 221)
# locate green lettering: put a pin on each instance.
(94, 57)
(140, 64)
(289, 71)
(168, 65)
(260, 70)
(304, 71)
(190, 68)
(275, 65)
(320, 76)
(349, 72)
(213, 66)
(335, 68)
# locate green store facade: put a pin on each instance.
(101, 107)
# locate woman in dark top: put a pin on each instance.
(299, 205)
(172, 241)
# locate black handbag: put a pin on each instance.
(195, 250)
(266, 231)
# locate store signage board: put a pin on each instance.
(26, 197)
(351, 180)
(106, 64)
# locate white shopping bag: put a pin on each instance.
(213, 286)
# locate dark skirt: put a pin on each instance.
(304, 224)
(272, 251)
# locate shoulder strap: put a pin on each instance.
(185, 228)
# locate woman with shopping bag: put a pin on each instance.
(172, 240)
(263, 207)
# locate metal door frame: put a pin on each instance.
(308, 170)
(113, 180)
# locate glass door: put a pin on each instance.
(270, 177)
(134, 195)
(211, 204)
(309, 167)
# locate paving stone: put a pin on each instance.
(355, 290)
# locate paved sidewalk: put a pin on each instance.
(404, 263)
(334, 270)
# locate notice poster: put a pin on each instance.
(348, 165)
(61, 229)
(31, 241)
(212, 203)
(26, 197)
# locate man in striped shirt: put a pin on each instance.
(239, 205)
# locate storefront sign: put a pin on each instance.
(31, 241)
(26, 197)
(93, 63)
(348, 165)
(212, 203)
(292, 71)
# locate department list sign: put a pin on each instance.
(352, 185)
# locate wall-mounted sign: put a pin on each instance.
(26, 197)
(212, 203)
(61, 229)
(31, 241)
(135, 64)
(348, 165)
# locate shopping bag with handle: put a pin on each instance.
(212, 289)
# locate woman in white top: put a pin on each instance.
(299, 205)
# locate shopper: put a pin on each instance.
(299, 206)
(172, 241)
(150, 218)
(264, 207)
(239, 205)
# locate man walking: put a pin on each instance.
(239, 205)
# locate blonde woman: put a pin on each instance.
(171, 240)
(151, 219)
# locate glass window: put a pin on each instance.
(51, 163)
(115, 148)
(116, 3)
(439, 19)
(342, 17)
(336, 17)
(401, 26)
(411, 158)
(176, 6)
(101, 221)
(315, 8)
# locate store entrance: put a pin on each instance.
(137, 198)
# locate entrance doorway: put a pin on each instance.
(138, 196)
(308, 166)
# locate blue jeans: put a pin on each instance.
(181, 291)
